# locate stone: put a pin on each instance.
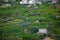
(39, 3)
(44, 30)
(6, 5)
(36, 21)
(54, 1)
(58, 16)
(25, 30)
(32, 2)
(23, 2)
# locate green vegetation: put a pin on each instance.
(14, 20)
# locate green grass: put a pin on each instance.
(11, 28)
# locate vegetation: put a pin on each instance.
(22, 23)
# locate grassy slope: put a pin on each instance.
(11, 28)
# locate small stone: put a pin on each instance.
(57, 16)
(36, 21)
(47, 38)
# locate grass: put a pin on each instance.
(10, 28)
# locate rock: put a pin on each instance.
(57, 16)
(47, 38)
(44, 30)
(6, 5)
